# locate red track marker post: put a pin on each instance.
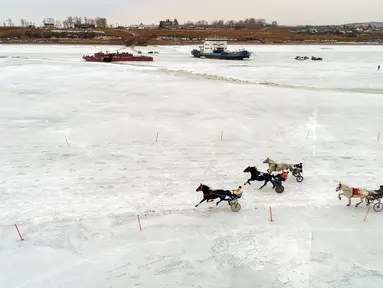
(367, 214)
(21, 237)
(271, 214)
(139, 222)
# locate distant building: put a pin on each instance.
(49, 25)
(313, 31)
(143, 26)
(167, 24)
(84, 26)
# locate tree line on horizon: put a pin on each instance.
(101, 22)
(246, 23)
(70, 22)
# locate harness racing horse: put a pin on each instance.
(351, 192)
(258, 176)
(209, 195)
(276, 167)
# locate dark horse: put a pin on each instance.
(258, 176)
(209, 195)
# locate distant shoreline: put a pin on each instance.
(177, 37)
(174, 43)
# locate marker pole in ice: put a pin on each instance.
(21, 237)
(139, 222)
(221, 134)
(67, 141)
(157, 137)
(378, 136)
(271, 214)
(367, 214)
(308, 132)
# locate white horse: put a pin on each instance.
(351, 192)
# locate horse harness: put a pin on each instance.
(355, 191)
(208, 193)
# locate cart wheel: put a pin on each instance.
(378, 207)
(279, 188)
(235, 207)
(300, 178)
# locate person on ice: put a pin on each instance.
(283, 176)
(237, 193)
(380, 190)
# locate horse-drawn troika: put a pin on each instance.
(224, 195)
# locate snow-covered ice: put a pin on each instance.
(77, 205)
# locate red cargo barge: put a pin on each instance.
(115, 57)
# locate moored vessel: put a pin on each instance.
(214, 48)
(115, 57)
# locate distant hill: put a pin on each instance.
(139, 37)
(377, 24)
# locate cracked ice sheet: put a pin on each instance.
(204, 247)
(172, 252)
(73, 202)
(346, 259)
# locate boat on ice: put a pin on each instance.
(213, 48)
(115, 57)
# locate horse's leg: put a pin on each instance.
(349, 201)
(264, 184)
(361, 201)
(221, 199)
(247, 182)
(339, 195)
(204, 199)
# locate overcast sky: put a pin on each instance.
(288, 12)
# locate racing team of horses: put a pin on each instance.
(276, 180)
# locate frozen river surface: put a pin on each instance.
(76, 202)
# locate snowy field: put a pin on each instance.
(76, 205)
